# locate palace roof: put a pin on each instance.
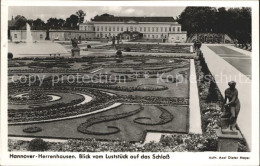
(111, 18)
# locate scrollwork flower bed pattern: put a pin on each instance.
(116, 110)
(165, 117)
(95, 120)
(100, 99)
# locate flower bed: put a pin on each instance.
(32, 130)
(165, 117)
(83, 128)
(155, 48)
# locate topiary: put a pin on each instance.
(10, 55)
(88, 46)
(119, 53)
(37, 144)
(212, 92)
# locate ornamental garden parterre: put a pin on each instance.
(110, 102)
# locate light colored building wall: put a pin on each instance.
(177, 37)
(20, 35)
(154, 30)
(70, 34)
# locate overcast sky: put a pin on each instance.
(44, 13)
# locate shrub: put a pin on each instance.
(212, 93)
(127, 49)
(10, 55)
(119, 53)
(88, 46)
(37, 144)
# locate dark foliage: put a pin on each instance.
(37, 145)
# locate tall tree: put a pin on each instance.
(236, 22)
(20, 22)
(80, 15)
(38, 24)
(72, 22)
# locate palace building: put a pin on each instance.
(148, 27)
(108, 26)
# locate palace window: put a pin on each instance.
(109, 28)
(101, 28)
(165, 29)
(153, 36)
(135, 29)
(148, 29)
(97, 28)
(117, 28)
(161, 29)
(105, 28)
(173, 29)
(153, 29)
(140, 29)
(85, 28)
(131, 28)
(15, 36)
(97, 35)
(122, 29)
(179, 29)
(144, 29)
(114, 29)
(169, 28)
(41, 36)
(178, 38)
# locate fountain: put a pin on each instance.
(36, 49)
(28, 34)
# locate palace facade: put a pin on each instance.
(147, 27)
(108, 26)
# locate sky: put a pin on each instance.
(46, 12)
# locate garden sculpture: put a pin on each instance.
(231, 105)
(74, 43)
(197, 45)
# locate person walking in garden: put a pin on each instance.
(232, 104)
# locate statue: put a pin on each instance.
(75, 51)
(232, 106)
(117, 39)
(74, 43)
(113, 40)
(197, 45)
(228, 135)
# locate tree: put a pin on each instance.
(72, 22)
(38, 24)
(20, 22)
(197, 19)
(81, 16)
(236, 22)
(55, 23)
